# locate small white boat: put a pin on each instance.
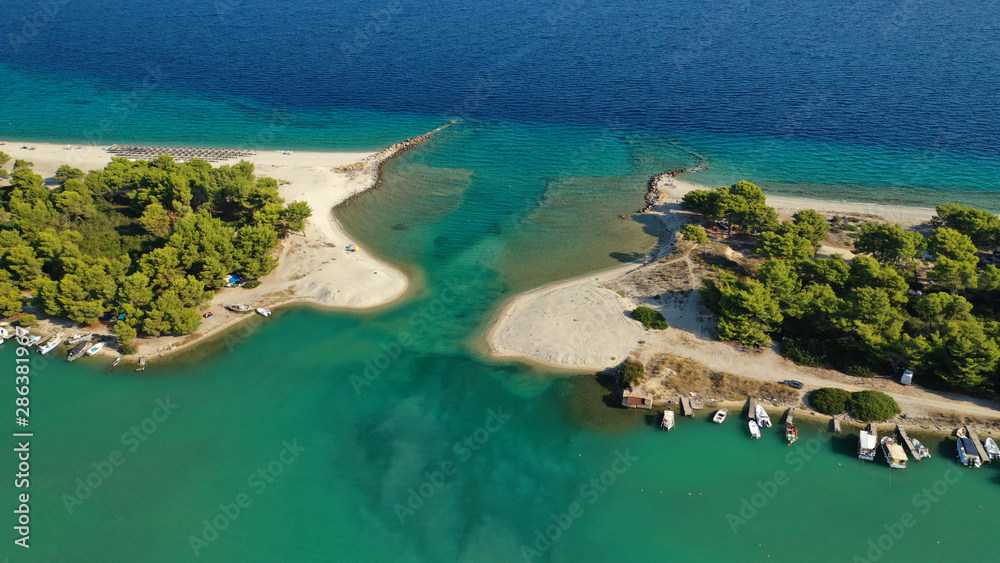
(754, 429)
(4, 333)
(991, 449)
(668, 420)
(239, 308)
(117, 361)
(263, 312)
(763, 420)
(867, 443)
(50, 345)
(894, 454)
(78, 338)
(720, 416)
(33, 340)
(919, 449)
(95, 348)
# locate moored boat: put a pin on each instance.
(763, 420)
(919, 449)
(239, 308)
(77, 351)
(78, 338)
(967, 453)
(95, 348)
(894, 454)
(4, 333)
(991, 449)
(263, 312)
(668, 419)
(754, 429)
(720, 416)
(51, 344)
(867, 443)
(32, 340)
(117, 361)
(791, 434)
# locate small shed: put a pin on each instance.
(636, 401)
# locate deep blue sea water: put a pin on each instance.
(567, 108)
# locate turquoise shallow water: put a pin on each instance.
(399, 415)
(378, 436)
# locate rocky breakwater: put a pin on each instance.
(660, 182)
(371, 166)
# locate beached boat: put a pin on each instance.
(894, 454)
(117, 361)
(95, 348)
(32, 341)
(791, 434)
(78, 338)
(239, 308)
(919, 450)
(720, 416)
(867, 443)
(763, 420)
(668, 419)
(263, 312)
(991, 448)
(50, 345)
(77, 351)
(4, 333)
(754, 429)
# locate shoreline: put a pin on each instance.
(314, 267)
(582, 324)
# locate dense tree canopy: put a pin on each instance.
(891, 306)
(149, 240)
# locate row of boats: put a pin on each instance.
(244, 308)
(81, 343)
(971, 452)
(759, 419)
(892, 446)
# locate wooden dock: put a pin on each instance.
(910, 448)
(979, 445)
(751, 408)
(790, 416)
(686, 407)
(142, 364)
(836, 425)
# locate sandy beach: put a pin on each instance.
(314, 266)
(584, 324)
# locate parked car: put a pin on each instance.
(907, 377)
(793, 383)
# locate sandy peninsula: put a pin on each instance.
(315, 266)
(584, 324)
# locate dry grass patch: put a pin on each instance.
(678, 375)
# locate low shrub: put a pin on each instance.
(830, 400)
(695, 234)
(127, 349)
(861, 371)
(27, 320)
(632, 373)
(251, 284)
(873, 405)
(804, 351)
(650, 318)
